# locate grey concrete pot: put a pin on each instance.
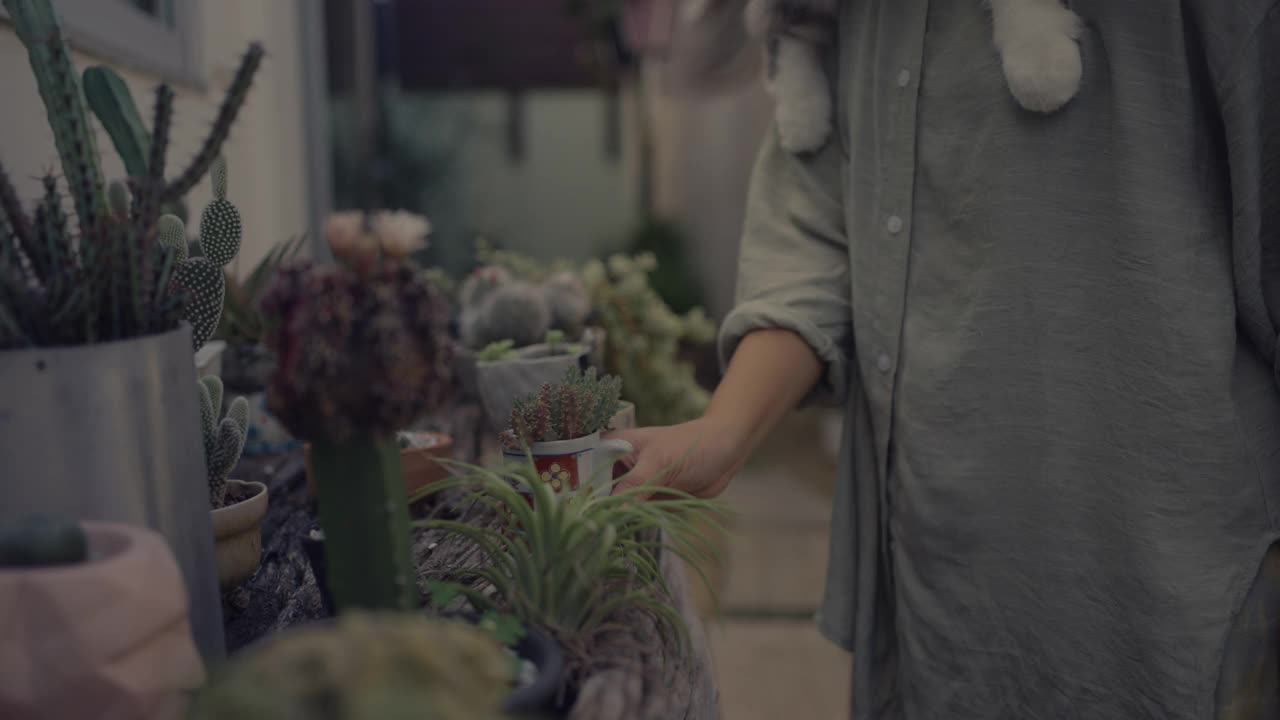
(500, 383)
(111, 433)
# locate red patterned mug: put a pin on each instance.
(567, 465)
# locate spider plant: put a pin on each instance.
(242, 321)
(575, 564)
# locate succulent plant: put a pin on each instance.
(363, 666)
(359, 355)
(568, 302)
(202, 278)
(223, 439)
(577, 406)
(515, 311)
(482, 281)
(576, 565)
(104, 276)
(497, 352)
(644, 334)
(355, 356)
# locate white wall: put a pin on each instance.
(565, 198)
(266, 152)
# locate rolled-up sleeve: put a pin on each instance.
(1249, 93)
(793, 271)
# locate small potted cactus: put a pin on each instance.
(78, 599)
(559, 427)
(237, 507)
(516, 333)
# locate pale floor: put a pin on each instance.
(771, 663)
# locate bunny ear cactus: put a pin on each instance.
(223, 439)
(203, 278)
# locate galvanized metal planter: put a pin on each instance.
(111, 432)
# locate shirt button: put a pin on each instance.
(904, 78)
(894, 224)
(884, 363)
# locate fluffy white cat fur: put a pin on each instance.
(1036, 39)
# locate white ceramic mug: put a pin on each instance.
(566, 465)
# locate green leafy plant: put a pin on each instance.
(223, 439)
(242, 322)
(105, 276)
(577, 406)
(574, 564)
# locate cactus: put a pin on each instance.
(577, 406)
(202, 277)
(567, 300)
(106, 276)
(360, 356)
(40, 541)
(515, 311)
(365, 665)
(38, 27)
(223, 440)
(476, 288)
(110, 100)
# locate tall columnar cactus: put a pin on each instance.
(223, 439)
(103, 275)
(202, 278)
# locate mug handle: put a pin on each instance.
(614, 450)
(611, 451)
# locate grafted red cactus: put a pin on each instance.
(358, 355)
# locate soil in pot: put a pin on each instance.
(237, 532)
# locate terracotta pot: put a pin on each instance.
(107, 638)
(237, 534)
(420, 466)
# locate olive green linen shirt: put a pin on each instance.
(1055, 337)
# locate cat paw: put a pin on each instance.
(1041, 57)
(804, 113)
(804, 127)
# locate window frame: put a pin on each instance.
(126, 37)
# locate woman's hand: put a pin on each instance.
(695, 457)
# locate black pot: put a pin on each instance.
(539, 648)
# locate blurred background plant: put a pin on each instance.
(242, 321)
(644, 336)
(362, 666)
